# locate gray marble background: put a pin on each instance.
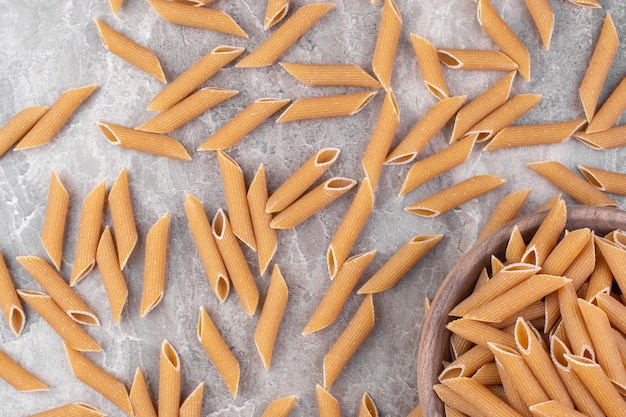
(48, 46)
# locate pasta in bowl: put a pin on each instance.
(472, 324)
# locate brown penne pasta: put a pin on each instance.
(317, 75)
(326, 106)
(610, 182)
(430, 68)
(387, 43)
(476, 59)
(15, 129)
(141, 141)
(530, 135)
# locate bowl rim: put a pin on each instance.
(434, 333)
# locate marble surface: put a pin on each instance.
(47, 47)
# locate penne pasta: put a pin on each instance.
(301, 179)
(130, 51)
(271, 316)
(504, 115)
(428, 61)
(547, 235)
(599, 67)
(192, 406)
(53, 120)
(530, 135)
(387, 43)
(613, 137)
(236, 199)
(264, 235)
(242, 124)
(426, 129)
(481, 334)
(610, 112)
(538, 361)
(488, 374)
(72, 410)
(312, 202)
(280, 407)
(467, 363)
(506, 210)
(458, 346)
(235, 262)
(399, 264)
(19, 125)
(594, 4)
(615, 257)
(18, 377)
(573, 323)
(321, 75)
(197, 17)
(367, 408)
(57, 288)
(115, 5)
(88, 233)
(380, 141)
(482, 106)
(458, 194)
(140, 397)
(503, 36)
(10, 302)
(596, 381)
(275, 12)
(610, 182)
(186, 110)
(515, 247)
(543, 16)
(195, 75)
(614, 310)
(476, 59)
(458, 402)
(436, 164)
(479, 397)
(114, 282)
(349, 341)
(169, 381)
(350, 227)
(566, 252)
(141, 141)
(217, 349)
(124, 226)
(286, 35)
(326, 106)
(600, 281)
(155, 265)
(73, 335)
(99, 380)
(337, 294)
(54, 222)
(553, 408)
(327, 405)
(572, 184)
(210, 256)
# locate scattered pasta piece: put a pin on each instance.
(367, 408)
(458, 194)
(197, 17)
(19, 125)
(116, 5)
(88, 233)
(613, 137)
(476, 59)
(192, 406)
(280, 407)
(275, 12)
(349, 341)
(124, 226)
(235, 261)
(10, 302)
(195, 75)
(71, 410)
(210, 256)
(327, 405)
(155, 265)
(186, 110)
(130, 51)
(143, 141)
(610, 182)
(399, 264)
(264, 235)
(572, 184)
(611, 110)
(530, 135)
(430, 68)
(140, 397)
(54, 222)
(59, 290)
(543, 16)
(344, 75)
(18, 377)
(503, 36)
(245, 122)
(506, 210)
(169, 381)
(217, 349)
(326, 106)
(73, 335)
(312, 202)
(387, 43)
(301, 179)
(114, 282)
(593, 4)
(380, 141)
(99, 380)
(286, 35)
(271, 316)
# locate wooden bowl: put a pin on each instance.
(435, 338)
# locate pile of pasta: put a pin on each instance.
(544, 332)
(252, 216)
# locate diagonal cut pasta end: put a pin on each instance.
(222, 287)
(84, 317)
(276, 17)
(17, 320)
